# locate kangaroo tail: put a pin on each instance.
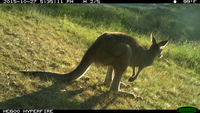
(82, 68)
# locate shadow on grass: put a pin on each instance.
(49, 97)
(53, 98)
(103, 100)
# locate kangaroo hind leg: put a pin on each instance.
(108, 78)
(120, 65)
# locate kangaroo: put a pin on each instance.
(118, 51)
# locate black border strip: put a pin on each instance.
(96, 1)
(82, 111)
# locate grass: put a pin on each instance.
(38, 37)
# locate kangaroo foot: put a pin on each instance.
(124, 85)
(125, 94)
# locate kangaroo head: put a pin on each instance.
(156, 48)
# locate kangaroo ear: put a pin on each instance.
(162, 44)
(153, 40)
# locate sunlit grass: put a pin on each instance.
(38, 38)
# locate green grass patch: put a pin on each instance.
(54, 37)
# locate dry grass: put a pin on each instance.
(33, 41)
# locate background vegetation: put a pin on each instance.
(53, 38)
